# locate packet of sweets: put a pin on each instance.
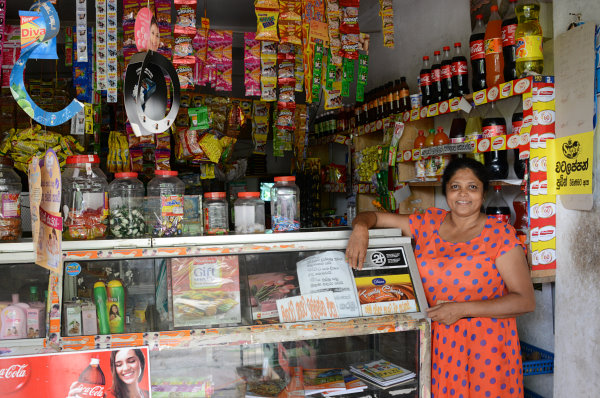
(198, 118)
(363, 71)
(186, 16)
(347, 76)
(267, 13)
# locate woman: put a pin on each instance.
(476, 280)
(154, 35)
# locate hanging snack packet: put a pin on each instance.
(333, 27)
(317, 70)
(185, 72)
(198, 118)
(183, 51)
(333, 97)
(235, 120)
(347, 76)
(268, 88)
(299, 70)
(186, 16)
(267, 13)
(225, 67)
(361, 82)
(387, 20)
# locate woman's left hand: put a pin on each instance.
(445, 313)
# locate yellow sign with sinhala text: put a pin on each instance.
(570, 164)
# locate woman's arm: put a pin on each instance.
(359, 240)
(519, 300)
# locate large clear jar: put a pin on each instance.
(126, 201)
(216, 213)
(249, 213)
(10, 201)
(84, 199)
(285, 205)
(164, 208)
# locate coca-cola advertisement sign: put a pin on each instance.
(88, 374)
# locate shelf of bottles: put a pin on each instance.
(331, 139)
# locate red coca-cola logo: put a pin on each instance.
(498, 142)
(436, 75)
(508, 35)
(14, 375)
(494, 130)
(477, 49)
(492, 94)
(459, 68)
(506, 90)
(425, 79)
(446, 72)
(91, 390)
(479, 97)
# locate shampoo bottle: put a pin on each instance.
(14, 320)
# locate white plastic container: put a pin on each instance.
(216, 213)
(249, 212)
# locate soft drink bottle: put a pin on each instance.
(447, 90)
(509, 47)
(436, 76)
(425, 76)
(476, 44)
(494, 61)
(517, 124)
(441, 161)
(420, 165)
(520, 206)
(430, 165)
(530, 57)
(460, 72)
(494, 125)
(92, 380)
(473, 132)
(497, 206)
(457, 131)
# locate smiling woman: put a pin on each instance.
(127, 366)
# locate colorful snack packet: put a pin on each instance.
(183, 51)
(186, 16)
(267, 13)
(363, 71)
(347, 76)
(185, 72)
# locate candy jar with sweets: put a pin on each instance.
(126, 201)
(216, 213)
(285, 205)
(165, 204)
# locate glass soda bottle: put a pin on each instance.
(517, 123)
(447, 90)
(420, 165)
(404, 95)
(509, 27)
(92, 380)
(457, 131)
(494, 125)
(426, 87)
(460, 72)
(528, 35)
(477, 47)
(520, 207)
(497, 206)
(494, 60)
(436, 77)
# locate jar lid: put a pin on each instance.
(214, 195)
(74, 159)
(167, 173)
(248, 194)
(6, 161)
(285, 178)
(126, 175)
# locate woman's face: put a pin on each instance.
(127, 366)
(464, 193)
(114, 309)
(154, 37)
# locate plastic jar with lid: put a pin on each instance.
(285, 205)
(249, 212)
(126, 201)
(84, 199)
(216, 213)
(10, 201)
(165, 204)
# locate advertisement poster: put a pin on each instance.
(570, 164)
(49, 225)
(105, 373)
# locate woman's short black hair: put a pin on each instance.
(466, 163)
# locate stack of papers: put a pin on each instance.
(382, 372)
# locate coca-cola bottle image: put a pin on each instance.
(425, 76)
(509, 46)
(497, 206)
(517, 123)
(92, 381)
(477, 46)
(460, 72)
(447, 90)
(494, 125)
(436, 77)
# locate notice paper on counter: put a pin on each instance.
(308, 307)
(329, 272)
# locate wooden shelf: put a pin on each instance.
(543, 276)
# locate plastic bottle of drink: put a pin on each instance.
(436, 77)
(530, 57)
(517, 123)
(92, 380)
(494, 61)
(425, 76)
(396, 106)
(460, 72)
(420, 165)
(404, 95)
(429, 162)
(477, 46)
(473, 132)
(447, 90)
(509, 47)
(441, 161)
(457, 131)
(520, 207)
(497, 206)
(495, 161)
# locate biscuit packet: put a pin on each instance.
(267, 14)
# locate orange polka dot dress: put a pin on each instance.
(474, 357)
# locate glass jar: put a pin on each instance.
(84, 199)
(285, 205)
(10, 201)
(126, 201)
(165, 204)
(216, 213)
(249, 213)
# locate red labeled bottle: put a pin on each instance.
(421, 164)
(460, 72)
(509, 44)
(426, 87)
(521, 208)
(494, 60)
(92, 380)
(447, 90)
(517, 123)
(436, 76)
(494, 125)
(476, 44)
(497, 206)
